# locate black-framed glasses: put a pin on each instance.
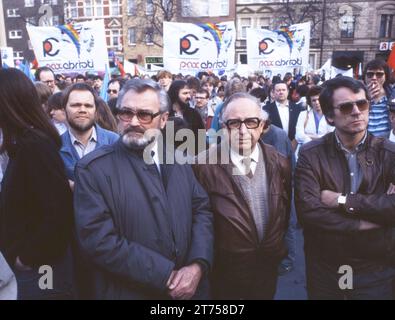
(109, 91)
(378, 74)
(144, 117)
(250, 123)
(347, 107)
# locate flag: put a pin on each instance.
(5, 66)
(391, 58)
(26, 70)
(103, 90)
(120, 67)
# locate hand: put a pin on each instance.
(185, 281)
(391, 189)
(20, 266)
(329, 198)
(374, 90)
(366, 225)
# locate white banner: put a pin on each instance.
(7, 56)
(279, 51)
(79, 47)
(190, 48)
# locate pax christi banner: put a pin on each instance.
(279, 51)
(71, 48)
(190, 48)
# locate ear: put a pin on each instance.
(330, 120)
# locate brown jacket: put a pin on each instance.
(334, 233)
(235, 231)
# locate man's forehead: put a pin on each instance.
(147, 99)
(81, 94)
(244, 106)
(46, 74)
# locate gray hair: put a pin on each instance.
(234, 85)
(242, 95)
(140, 86)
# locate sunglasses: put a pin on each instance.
(112, 91)
(379, 74)
(347, 108)
(250, 123)
(144, 117)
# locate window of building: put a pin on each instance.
(186, 8)
(29, 3)
(115, 37)
(149, 36)
(131, 7)
(55, 20)
(115, 7)
(99, 8)
(131, 36)
(15, 34)
(31, 20)
(347, 26)
(243, 58)
(386, 25)
(224, 7)
(88, 8)
(73, 10)
(264, 23)
(149, 8)
(13, 13)
(245, 23)
(18, 55)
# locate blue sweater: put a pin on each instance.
(70, 155)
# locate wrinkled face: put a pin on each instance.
(280, 92)
(165, 82)
(315, 103)
(134, 131)
(243, 140)
(184, 95)
(58, 115)
(48, 78)
(201, 100)
(81, 110)
(113, 89)
(350, 123)
(375, 76)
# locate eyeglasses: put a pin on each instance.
(379, 74)
(49, 81)
(144, 117)
(200, 98)
(347, 107)
(112, 91)
(250, 123)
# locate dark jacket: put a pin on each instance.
(334, 234)
(134, 228)
(238, 249)
(275, 119)
(70, 155)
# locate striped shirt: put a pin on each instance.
(379, 123)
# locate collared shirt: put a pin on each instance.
(81, 149)
(353, 164)
(392, 136)
(283, 111)
(155, 156)
(239, 162)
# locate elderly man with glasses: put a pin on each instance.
(345, 201)
(142, 221)
(249, 187)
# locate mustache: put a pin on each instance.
(134, 129)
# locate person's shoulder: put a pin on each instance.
(317, 143)
(107, 133)
(96, 156)
(389, 145)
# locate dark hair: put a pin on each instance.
(193, 83)
(104, 116)
(175, 88)
(112, 104)
(80, 76)
(55, 102)
(302, 90)
(205, 92)
(313, 91)
(259, 93)
(97, 77)
(44, 92)
(79, 86)
(20, 108)
(278, 82)
(329, 87)
(41, 69)
(119, 80)
(380, 64)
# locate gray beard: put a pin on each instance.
(136, 143)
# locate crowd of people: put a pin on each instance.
(90, 188)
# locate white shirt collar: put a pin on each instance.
(392, 136)
(237, 159)
(279, 105)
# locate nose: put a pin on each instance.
(355, 109)
(243, 128)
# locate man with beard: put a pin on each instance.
(83, 135)
(143, 224)
(179, 94)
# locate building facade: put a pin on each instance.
(349, 32)
(18, 13)
(108, 10)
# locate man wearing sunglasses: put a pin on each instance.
(345, 201)
(377, 80)
(249, 187)
(144, 224)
